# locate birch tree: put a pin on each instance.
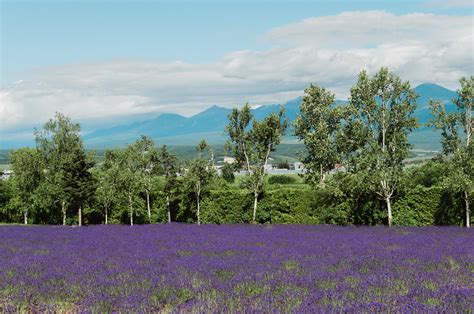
(80, 184)
(133, 169)
(382, 108)
(128, 179)
(199, 174)
(107, 194)
(27, 175)
(251, 142)
(317, 126)
(169, 168)
(147, 154)
(460, 147)
(67, 166)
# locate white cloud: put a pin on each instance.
(362, 28)
(327, 50)
(450, 3)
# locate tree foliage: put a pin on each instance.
(251, 143)
(317, 127)
(28, 168)
(58, 182)
(381, 110)
(227, 173)
(199, 174)
(460, 149)
(169, 168)
(66, 165)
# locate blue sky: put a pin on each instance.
(107, 60)
(42, 33)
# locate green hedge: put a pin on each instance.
(281, 179)
(287, 206)
(427, 206)
(227, 206)
(283, 206)
(418, 207)
(343, 201)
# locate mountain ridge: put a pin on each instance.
(209, 124)
(171, 128)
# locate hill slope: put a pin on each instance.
(173, 129)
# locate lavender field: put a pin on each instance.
(236, 268)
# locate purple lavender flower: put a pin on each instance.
(236, 268)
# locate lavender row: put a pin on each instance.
(236, 268)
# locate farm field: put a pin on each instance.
(278, 268)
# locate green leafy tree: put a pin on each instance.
(131, 171)
(461, 176)
(148, 169)
(169, 168)
(6, 194)
(27, 174)
(227, 173)
(81, 185)
(317, 126)
(381, 109)
(107, 192)
(200, 173)
(46, 202)
(251, 145)
(66, 163)
(128, 179)
(202, 148)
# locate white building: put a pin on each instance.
(229, 160)
(5, 174)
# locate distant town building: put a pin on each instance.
(5, 174)
(285, 171)
(298, 165)
(338, 168)
(229, 160)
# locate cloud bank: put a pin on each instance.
(328, 50)
(450, 3)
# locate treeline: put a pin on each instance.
(354, 168)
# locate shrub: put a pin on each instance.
(281, 179)
(227, 207)
(287, 206)
(284, 165)
(228, 173)
(418, 206)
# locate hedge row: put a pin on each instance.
(421, 206)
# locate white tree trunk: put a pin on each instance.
(389, 210)
(168, 208)
(25, 216)
(148, 205)
(384, 130)
(63, 204)
(80, 215)
(131, 208)
(255, 202)
(198, 200)
(198, 208)
(468, 124)
(247, 161)
(106, 215)
(468, 211)
(321, 176)
(468, 136)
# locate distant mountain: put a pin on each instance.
(174, 129)
(427, 91)
(169, 126)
